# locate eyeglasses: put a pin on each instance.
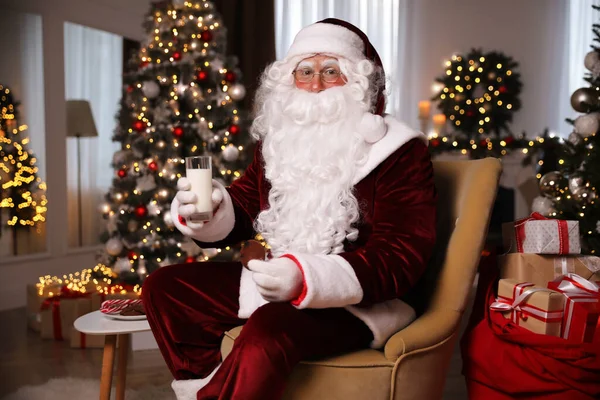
(305, 75)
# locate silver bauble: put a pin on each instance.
(151, 89)
(575, 182)
(584, 100)
(592, 62)
(122, 265)
(210, 253)
(168, 218)
(583, 195)
(114, 246)
(575, 138)
(145, 183)
(132, 225)
(121, 157)
(178, 3)
(237, 91)
(542, 205)
(588, 124)
(550, 184)
(231, 153)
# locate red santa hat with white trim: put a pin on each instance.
(340, 38)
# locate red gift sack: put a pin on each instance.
(503, 361)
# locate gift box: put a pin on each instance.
(541, 269)
(540, 235)
(535, 308)
(582, 307)
(35, 298)
(58, 313)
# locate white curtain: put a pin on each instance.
(384, 21)
(93, 69)
(580, 16)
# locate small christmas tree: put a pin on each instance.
(179, 101)
(22, 192)
(571, 192)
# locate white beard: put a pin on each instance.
(311, 154)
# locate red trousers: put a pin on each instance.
(190, 306)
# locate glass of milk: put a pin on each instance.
(198, 170)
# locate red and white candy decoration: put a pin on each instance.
(116, 306)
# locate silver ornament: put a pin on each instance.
(122, 265)
(575, 138)
(237, 91)
(114, 246)
(584, 100)
(141, 268)
(542, 205)
(121, 157)
(588, 124)
(178, 3)
(168, 218)
(153, 208)
(145, 183)
(584, 195)
(132, 225)
(592, 62)
(151, 89)
(231, 153)
(210, 253)
(550, 184)
(575, 182)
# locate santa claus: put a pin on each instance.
(343, 196)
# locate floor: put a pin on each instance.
(29, 360)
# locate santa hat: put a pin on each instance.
(341, 38)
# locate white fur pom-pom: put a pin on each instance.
(372, 128)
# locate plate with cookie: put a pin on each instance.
(125, 310)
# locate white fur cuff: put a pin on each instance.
(250, 299)
(330, 281)
(384, 319)
(186, 389)
(214, 230)
(328, 39)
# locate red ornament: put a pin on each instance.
(178, 131)
(141, 211)
(509, 139)
(230, 76)
(190, 259)
(177, 56)
(131, 254)
(129, 88)
(435, 142)
(122, 173)
(470, 113)
(153, 166)
(483, 142)
(144, 64)
(502, 89)
(206, 36)
(202, 75)
(234, 129)
(139, 125)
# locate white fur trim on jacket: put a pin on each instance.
(214, 230)
(384, 319)
(250, 298)
(330, 281)
(327, 38)
(186, 389)
(397, 134)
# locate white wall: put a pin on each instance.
(120, 17)
(532, 32)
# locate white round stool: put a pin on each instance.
(96, 323)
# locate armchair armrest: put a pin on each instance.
(429, 329)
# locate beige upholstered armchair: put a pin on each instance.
(414, 362)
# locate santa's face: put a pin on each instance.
(318, 73)
(311, 151)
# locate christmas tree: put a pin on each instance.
(179, 101)
(570, 192)
(22, 192)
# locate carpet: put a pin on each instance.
(84, 389)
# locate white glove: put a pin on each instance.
(278, 279)
(187, 201)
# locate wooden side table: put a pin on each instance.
(96, 323)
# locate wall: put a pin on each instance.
(532, 32)
(120, 17)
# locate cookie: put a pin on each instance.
(252, 250)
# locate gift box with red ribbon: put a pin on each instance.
(59, 312)
(582, 307)
(540, 235)
(535, 308)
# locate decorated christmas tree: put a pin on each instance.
(570, 192)
(22, 193)
(179, 101)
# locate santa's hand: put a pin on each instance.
(188, 199)
(278, 279)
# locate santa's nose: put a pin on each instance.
(316, 85)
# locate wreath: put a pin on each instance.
(479, 92)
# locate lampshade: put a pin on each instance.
(80, 121)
